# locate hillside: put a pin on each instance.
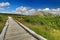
(44, 13)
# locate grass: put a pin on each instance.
(46, 26)
(3, 19)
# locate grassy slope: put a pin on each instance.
(47, 26)
(3, 19)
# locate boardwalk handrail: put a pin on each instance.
(31, 32)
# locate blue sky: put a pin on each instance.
(36, 4)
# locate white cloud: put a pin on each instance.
(30, 11)
(53, 11)
(39, 10)
(46, 9)
(1, 8)
(4, 4)
(24, 10)
(21, 8)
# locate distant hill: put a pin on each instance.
(42, 13)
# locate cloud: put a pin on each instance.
(56, 11)
(49, 10)
(39, 10)
(32, 11)
(1, 8)
(21, 8)
(29, 11)
(52, 11)
(46, 9)
(4, 4)
(24, 10)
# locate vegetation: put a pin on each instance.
(3, 19)
(47, 26)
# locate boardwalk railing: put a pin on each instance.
(31, 32)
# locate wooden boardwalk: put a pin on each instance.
(16, 32)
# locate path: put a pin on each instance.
(16, 32)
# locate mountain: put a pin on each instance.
(40, 13)
(47, 13)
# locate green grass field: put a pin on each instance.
(46, 26)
